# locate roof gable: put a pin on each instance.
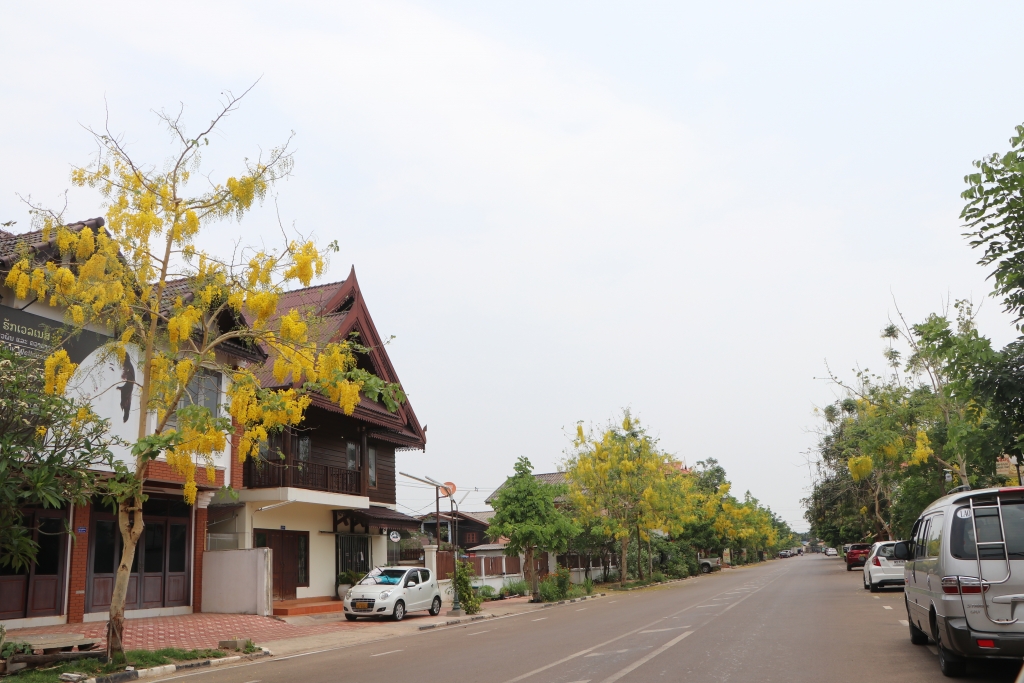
(342, 310)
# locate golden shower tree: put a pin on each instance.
(175, 309)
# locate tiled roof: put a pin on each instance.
(486, 546)
(545, 477)
(11, 244)
(484, 516)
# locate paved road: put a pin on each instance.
(800, 619)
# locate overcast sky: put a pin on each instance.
(565, 209)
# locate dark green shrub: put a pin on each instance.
(549, 590)
(563, 578)
(462, 581)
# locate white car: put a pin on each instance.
(881, 568)
(393, 592)
(831, 552)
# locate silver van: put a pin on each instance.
(964, 577)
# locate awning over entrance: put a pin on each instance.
(385, 518)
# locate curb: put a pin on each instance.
(171, 668)
(456, 622)
(651, 585)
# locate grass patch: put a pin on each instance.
(140, 659)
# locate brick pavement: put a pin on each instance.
(192, 631)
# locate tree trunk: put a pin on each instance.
(650, 558)
(639, 564)
(131, 531)
(534, 584)
(623, 567)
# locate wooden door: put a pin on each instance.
(44, 585)
(154, 538)
(288, 552)
(35, 591)
(290, 570)
(176, 583)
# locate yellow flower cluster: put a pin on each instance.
(306, 261)
(293, 328)
(180, 325)
(260, 411)
(57, 371)
(922, 449)
(860, 466)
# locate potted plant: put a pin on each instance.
(346, 580)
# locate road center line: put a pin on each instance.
(574, 655)
(661, 630)
(389, 652)
(476, 633)
(541, 619)
(646, 658)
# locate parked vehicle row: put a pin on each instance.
(964, 577)
(963, 573)
(393, 592)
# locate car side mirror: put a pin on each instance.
(410, 583)
(901, 551)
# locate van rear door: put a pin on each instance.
(1004, 598)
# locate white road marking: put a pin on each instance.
(389, 652)
(476, 633)
(646, 658)
(904, 622)
(581, 653)
(876, 597)
(541, 619)
(886, 607)
(581, 609)
(661, 630)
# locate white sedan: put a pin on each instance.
(831, 552)
(881, 568)
(393, 592)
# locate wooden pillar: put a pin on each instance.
(79, 566)
(199, 547)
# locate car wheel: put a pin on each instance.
(948, 667)
(399, 612)
(873, 586)
(435, 607)
(849, 567)
(350, 617)
(705, 569)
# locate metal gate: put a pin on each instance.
(353, 553)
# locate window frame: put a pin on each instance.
(371, 466)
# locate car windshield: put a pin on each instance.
(383, 577)
(961, 542)
(885, 551)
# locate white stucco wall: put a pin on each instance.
(238, 581)
(303, 517)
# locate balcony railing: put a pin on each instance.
(303, 475)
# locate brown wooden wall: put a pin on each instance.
(330, 433)
(385, 491)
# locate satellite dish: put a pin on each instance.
(448, 489)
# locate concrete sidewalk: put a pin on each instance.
(371, 630)
(283, 635)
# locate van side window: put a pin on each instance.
(933, 544)
(920, 539)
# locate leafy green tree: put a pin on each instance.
(525, 514)
(49, 448)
